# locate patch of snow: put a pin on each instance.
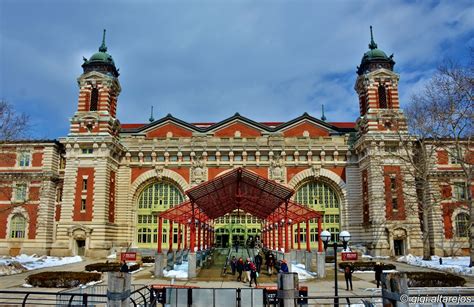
(302, 272)
(90, 284)
(112, 256)
(137, 270)
(373, 272)
(14, 265)
(25, 285)
(456, 265)
(180, 271)
(375, 257)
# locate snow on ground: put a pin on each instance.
(14, 265)
(302, 272)
(374, 257)
(459, 265)
(180, 271)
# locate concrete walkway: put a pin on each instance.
(363, 283)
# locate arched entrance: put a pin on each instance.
(155, 197)
(319, 195)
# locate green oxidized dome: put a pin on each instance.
(101, 61)
(374, 58)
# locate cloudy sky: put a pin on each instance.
(206, 60)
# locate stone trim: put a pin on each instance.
(156, 174)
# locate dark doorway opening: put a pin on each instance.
(81, 247)
(398, 246)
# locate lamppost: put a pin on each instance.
(344, 236)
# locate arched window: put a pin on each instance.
(462, 225)
(382, 97)
(158, 196)
(18, 226)
(94, 99)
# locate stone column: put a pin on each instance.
(159, 264)
(321, 264)
(288, 289)
(192, 265)
(118, 289)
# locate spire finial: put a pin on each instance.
(151, 119)
(103, 47)
(323, 117)
(372, 44)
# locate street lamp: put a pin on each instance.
(344, 236)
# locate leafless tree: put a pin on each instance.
(13, 125)
(442, 115)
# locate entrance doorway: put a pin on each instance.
(222, 240)
(240, 238)
(81, 247)
(398, 247)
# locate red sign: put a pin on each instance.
(349, 256)
(132, 256)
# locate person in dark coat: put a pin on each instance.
(233, 264)
(240, 268)
(378, 268)
(258, 262)
(253, 274)
(348, 270)
(247, 270)
(270, 263)
(236, 244)
(284, 267)
(124, 267)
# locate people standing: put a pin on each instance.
(236, 244)
(270, 264)
(233, 264)
(348, 270)
(378, 268)
(253, 274)
(240, 268)
(258, 262)
(247, 270)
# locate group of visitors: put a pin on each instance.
(249, 267)
(349, 269)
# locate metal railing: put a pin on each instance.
(90, 296)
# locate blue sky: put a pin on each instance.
(206, 60)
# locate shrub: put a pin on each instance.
(367, 265)
(62, 279)
(434, 279)
(109, 267)
(148, 259)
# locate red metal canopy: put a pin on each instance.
(239, 189)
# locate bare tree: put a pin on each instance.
(13, 125)
(443, 116)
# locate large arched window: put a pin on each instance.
(18, 227)
(155, 197)
(462, 225)
(320, 196)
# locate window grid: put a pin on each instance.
(18, 227)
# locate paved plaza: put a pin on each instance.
(364, 283)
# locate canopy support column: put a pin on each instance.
(280, 236)
(199, 237)
(292, 238)
(320, 240)
(299, 236)
(287, 247)
(308, 248)
(170, 249)
(192, 225)
(274, 237)
(160, 234)
(185, 237)
(179, 236)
